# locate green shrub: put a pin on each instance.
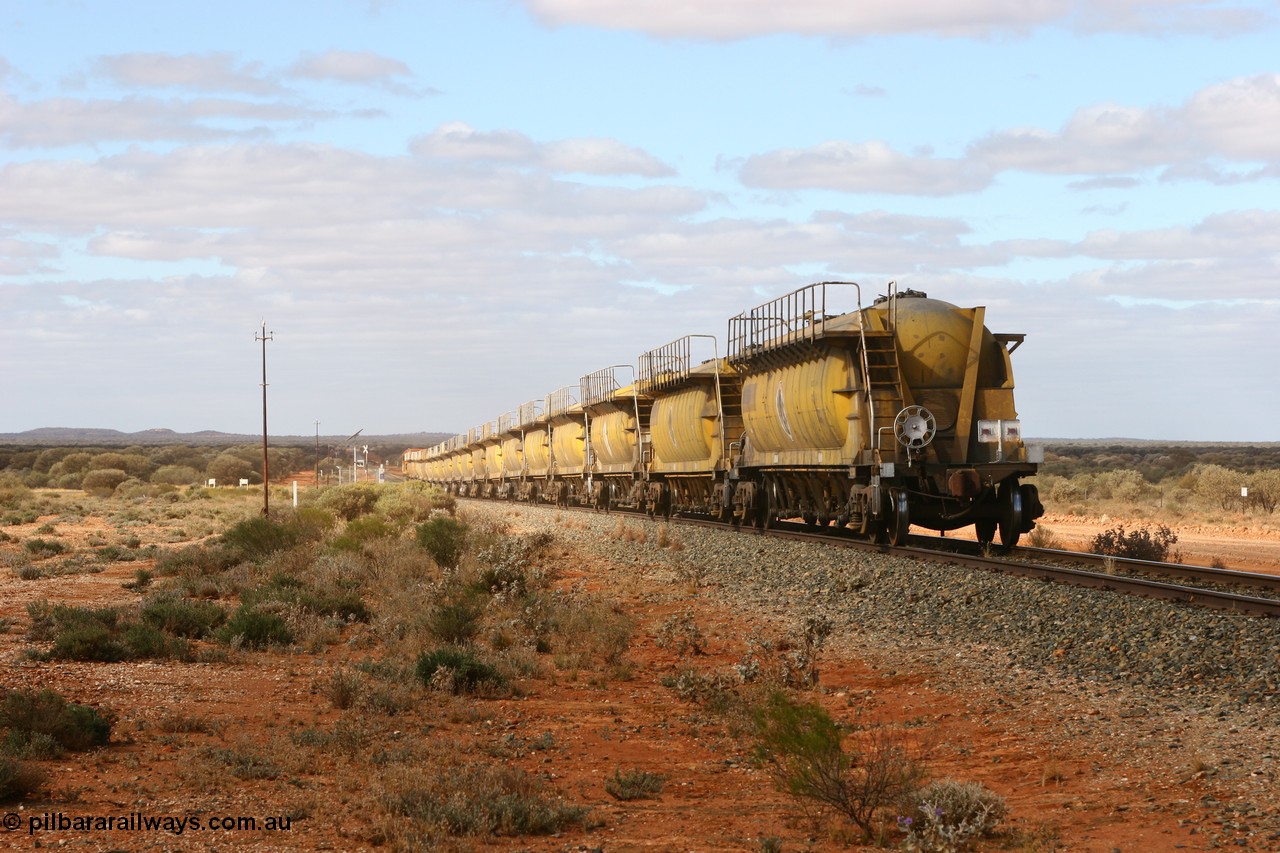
(196, 561)
(255, 629)
(456, 622)
(634, 784)
(314, 522)
(183, 617)
(286, 589)
(1140, 544)
(804, 749)
(44, 547)
(88, 641)
(361, 530)
(257, 538)
(413, 502)
(103, 481)
(176, 475)
(115, 554)
(444, 538)
(78, 633)
(457, 670)
(147, 641)
(350, 501)
(45, 712)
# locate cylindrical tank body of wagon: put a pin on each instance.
(536, 451)
(568, 443)
(803, 414)
(614, 436)
(814, 411)
(512, 456)
(493, 461)
(685, 431)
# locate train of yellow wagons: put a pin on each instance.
(869, 418)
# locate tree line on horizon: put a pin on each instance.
(1073, 477)
(104, 470)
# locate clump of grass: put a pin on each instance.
(178, 723)
(443, 537)
(457, 671)
(255, 629)
(286, 589)
(634, 784)
(184, 617)
(342, 687)
(247, 762)
(17, 779)
(681, 635)
(40, 548)
(480, 799)
(1043, 537)
(456, 621)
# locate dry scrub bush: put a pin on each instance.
(1140, 544)
(947, 816)
(1043, 537)
(17, 779)
(428, 805)
(681, 635)
(806, 753)
(634, 784)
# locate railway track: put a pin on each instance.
(1132, 577)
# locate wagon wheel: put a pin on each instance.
(1011, 513)
(899, 518)
(771, 506)
(986, 530)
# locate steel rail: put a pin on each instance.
(1234, 577)
(1144, 587)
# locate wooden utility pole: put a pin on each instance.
(264, 337)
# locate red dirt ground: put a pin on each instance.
(1080, 773)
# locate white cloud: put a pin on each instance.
(598, 156)
(56, 122)
(207, 72)
(360, 68)
(1235, 122)
(862, 167)
(459, 141)
(737, 19)
(1239, 119)
(350, 66)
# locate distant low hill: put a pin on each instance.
(81, 436)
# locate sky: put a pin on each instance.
(444, 209)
